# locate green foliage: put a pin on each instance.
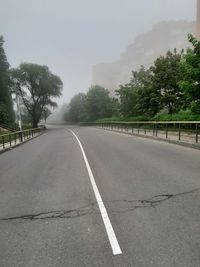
(184, 115)
(46, 113)
(37, 86)
(128, 98)
(77, 109)
(125, 119)
(6, 105)
(138, 97)
(94, 105)
(166, 75)
(3, 113)
(169, 90)
(190, 82)
(158, 88)
(98, 103)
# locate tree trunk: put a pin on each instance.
(34, 123)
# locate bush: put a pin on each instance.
(181, 116)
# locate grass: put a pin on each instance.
(3, 132)
(184, 115)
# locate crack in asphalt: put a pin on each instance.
(54, 214)
(113, 206)
(130, 205)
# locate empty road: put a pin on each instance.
(80, 196)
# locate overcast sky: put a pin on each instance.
(70, 36)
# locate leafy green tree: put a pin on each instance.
(6, 105)
(98, 103)
(3, 113)
(128, 99)
(115, 107)
(37, 87)
(146, 101)
(77, 109)
(94, 105)
(137, 97)
(190, 67)
(46, 113)
(166, 76)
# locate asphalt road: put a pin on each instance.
(49, 215)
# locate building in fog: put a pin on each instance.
(146, 48)
(198, 19)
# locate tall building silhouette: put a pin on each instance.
(198, 19)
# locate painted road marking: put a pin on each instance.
(109, 229)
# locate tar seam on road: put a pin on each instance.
(109, 229)
(130, 206)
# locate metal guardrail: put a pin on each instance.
(13, 138)
(186, 131)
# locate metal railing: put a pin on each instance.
(181, 131)
(13, 138)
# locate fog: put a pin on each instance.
(70, 36)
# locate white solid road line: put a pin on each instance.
(109, 229)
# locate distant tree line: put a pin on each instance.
(93, 105)
(171, 86)
(34, 84)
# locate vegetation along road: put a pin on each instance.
(80, 196)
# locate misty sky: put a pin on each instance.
(70, 36)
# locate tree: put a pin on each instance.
(128, 100)
(77, 109)
(6, 105)
(166, 76)
(190, 67)
(136, 97)
(46, 113)
(37, 87)
(94, 105)
(98, 103)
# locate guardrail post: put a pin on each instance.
(197, 133)
(166, 131)
(156, 130)
(10, 140)
(21, 136)
(145, 129)
(3, 140)
(179, 132)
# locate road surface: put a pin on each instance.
(49, 210)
